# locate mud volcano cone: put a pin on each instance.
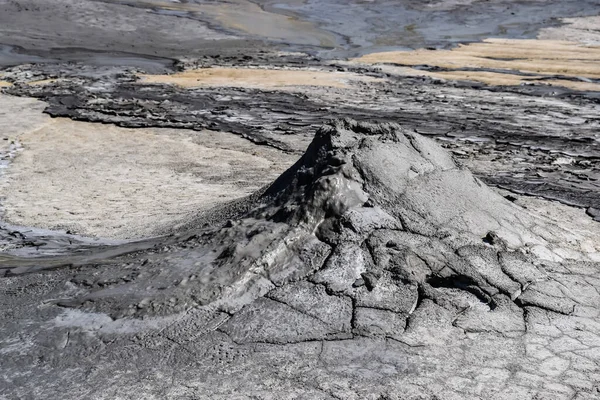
(374, 227)
(376, 231)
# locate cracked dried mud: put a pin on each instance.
(299, 199)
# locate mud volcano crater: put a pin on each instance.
(374, 259)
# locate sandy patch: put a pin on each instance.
(42, 82)
(256, 78)
(548, 57)
(543, 58)
(492, 78)
(5, 84)
(102, 180)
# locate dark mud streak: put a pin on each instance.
(15, 55)
(11, 56)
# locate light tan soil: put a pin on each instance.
(256, 78)
(540, 57)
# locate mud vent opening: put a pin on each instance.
(462, 282)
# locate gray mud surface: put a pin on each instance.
(340, 280)
(177, 29)
(65, 27)
(435, 239)
(375, 25)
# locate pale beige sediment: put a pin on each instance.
(102, 180)
(548, 57)
(492, 78)
(257, 78)
(42, 82)
(543, 58)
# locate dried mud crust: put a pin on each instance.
(375, 267)
(105, 181)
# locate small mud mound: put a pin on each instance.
(383, 228)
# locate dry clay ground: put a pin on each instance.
(102, 180)
(341, 281)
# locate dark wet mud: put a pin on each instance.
(11, 56)
(99, 59)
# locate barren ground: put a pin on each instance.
(300, 199)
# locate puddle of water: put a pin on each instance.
(6, 156)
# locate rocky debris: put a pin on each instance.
(375, 267)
